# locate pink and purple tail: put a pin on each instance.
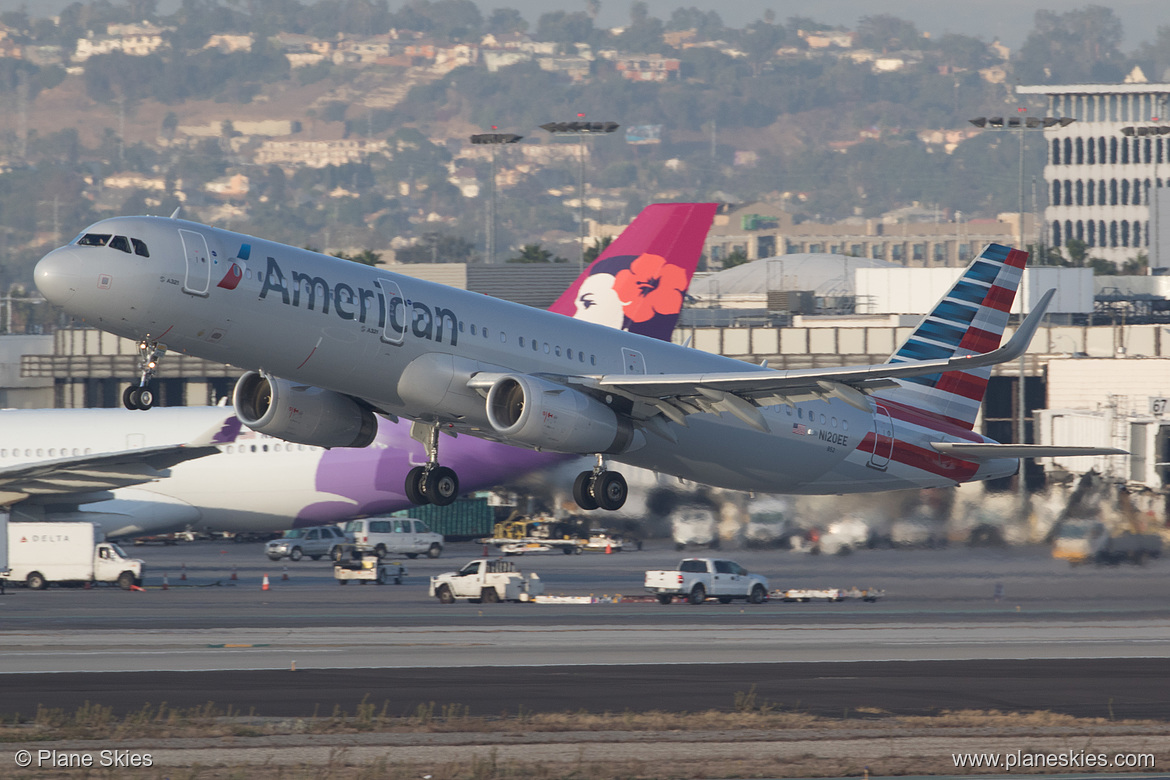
(639, 281)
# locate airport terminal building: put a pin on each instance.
(1104, 172)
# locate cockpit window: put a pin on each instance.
(120, 243)
(94, 239)
(140, 247)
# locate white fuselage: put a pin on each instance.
(409, 348)
(254, 484)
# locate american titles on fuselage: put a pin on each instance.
(427, 322)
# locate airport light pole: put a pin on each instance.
(1021, 124)
(1155, 221)
(493, 140)
(581, 130)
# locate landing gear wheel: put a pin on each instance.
(581, 491)
(441, 486)
(414, 489)
(145, 398)
(138, 398)
(609, 490)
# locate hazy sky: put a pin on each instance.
(1008, 20)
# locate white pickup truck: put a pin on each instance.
(698, 579)
(487, 580)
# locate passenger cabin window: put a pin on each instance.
(140, 247)
(121, 243)
(94, 239)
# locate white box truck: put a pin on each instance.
(44, 553)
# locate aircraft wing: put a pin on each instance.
(82, 474)
(993, 451)
(677, 395)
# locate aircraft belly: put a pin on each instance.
(721, 451)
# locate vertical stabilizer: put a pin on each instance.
(969, 319)
(638, 282)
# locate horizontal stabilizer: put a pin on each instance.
(993, 451)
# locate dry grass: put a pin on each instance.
(96, 722)
(683, 742)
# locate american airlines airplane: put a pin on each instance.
(135, 474)
(330, 344)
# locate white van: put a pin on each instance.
(395, 536)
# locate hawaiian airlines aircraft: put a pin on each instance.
(137, 475)
(330, 344)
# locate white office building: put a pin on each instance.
(1101, 182)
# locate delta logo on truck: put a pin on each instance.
(47, 538)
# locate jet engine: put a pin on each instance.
(301, 413)
(549, 416)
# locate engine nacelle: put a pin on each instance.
(301, 413)
(550, 416)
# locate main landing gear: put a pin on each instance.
(142, 397)
(432, 483)
(600, 488)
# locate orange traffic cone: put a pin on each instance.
(234, 577)
(183, 574)
(608, 548)
(284, 575)
(166, 585)
(264, 586)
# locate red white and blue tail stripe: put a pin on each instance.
(969, 319)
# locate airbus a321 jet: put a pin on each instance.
(331, 343)
(136, 475)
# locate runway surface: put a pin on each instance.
(1096, 688)
(1086, 641)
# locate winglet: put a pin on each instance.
(1017, 344)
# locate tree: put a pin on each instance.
(599, 245)
(506, 20)
(760, 41)
(889, 33)
(561, 27)
(1076, 47)
(365, 257)
(437, 248)
(736, 257)
(1102, 267)
(534, 253)
(1077, 250)
(1154, 57)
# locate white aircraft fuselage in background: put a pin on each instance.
(250, 483)
(408, 348)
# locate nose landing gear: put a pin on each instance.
(142, 397)
(432, 483)
(600, 488)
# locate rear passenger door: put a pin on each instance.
(725, 581)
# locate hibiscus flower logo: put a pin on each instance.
(649, 287)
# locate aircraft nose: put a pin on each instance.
(58, 275)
